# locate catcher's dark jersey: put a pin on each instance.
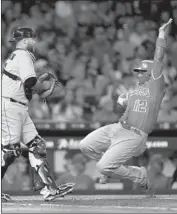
(144, 103)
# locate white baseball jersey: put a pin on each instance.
(16, 123)
(21, 64)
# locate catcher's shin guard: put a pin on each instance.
(38, 161)
(37, 183)
(44, 173)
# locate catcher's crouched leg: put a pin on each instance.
(8, 155)
(39, 164)
(38, 161)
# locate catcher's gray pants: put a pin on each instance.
(112, 146)
(16, 123)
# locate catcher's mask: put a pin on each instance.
(21, 33)
(144, 67)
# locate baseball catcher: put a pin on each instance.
(19, 83)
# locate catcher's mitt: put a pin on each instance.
(49, 81)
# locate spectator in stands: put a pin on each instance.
(44, 46)
(140, 35)
(17, 177)
(143, 160)
(68, 110)
(101, 45)
(17, 10)
(173, 159)
(39, 110)
(36, 17)
(156, 177)
(167, 113)
(158, 180)
(111, 34)
(170, 169)
(105, 114)
(124, 46)
(41, 66)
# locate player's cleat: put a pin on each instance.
(146, 186)
(104, 179)
(61, 191)
(5, 197)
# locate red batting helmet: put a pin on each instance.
(144, 67)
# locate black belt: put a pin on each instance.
(15, 101)
(130, 128)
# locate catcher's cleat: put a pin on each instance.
(5, 197)
(61, 191)
(104, 179)
(38, 185)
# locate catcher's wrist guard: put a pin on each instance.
(161, 42)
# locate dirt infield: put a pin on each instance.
(93, 204)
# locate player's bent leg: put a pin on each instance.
(38, 160)
(111, 163)
(96, 143)
(8, 155)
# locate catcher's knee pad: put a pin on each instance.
(37, 151)
(38, 147)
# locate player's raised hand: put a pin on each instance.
(164, 28)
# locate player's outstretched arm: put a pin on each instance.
(160, 49)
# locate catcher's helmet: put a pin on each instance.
(22, 32)
(144, 67)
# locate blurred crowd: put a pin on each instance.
(92, 47)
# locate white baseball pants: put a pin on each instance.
(112, 146)
(17, 125)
